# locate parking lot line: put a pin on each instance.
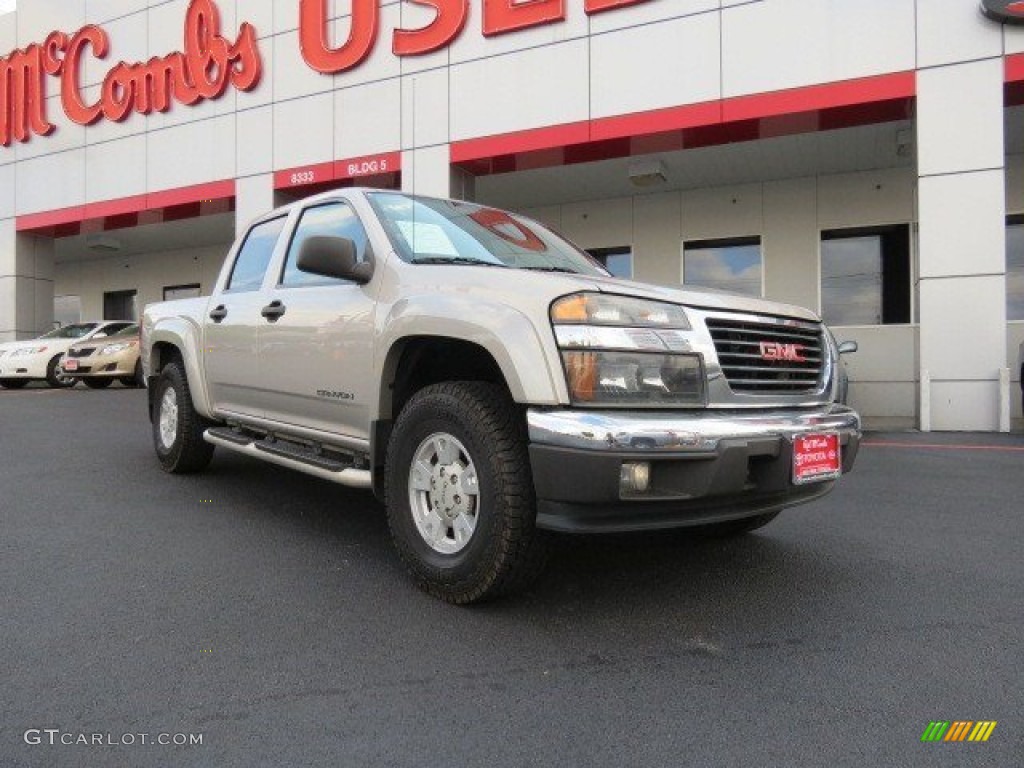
(939, 446)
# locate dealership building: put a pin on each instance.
(864, 159)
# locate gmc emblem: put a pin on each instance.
(1006, 11)
(774, 351)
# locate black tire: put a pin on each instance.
(128, 381)
(188, 452)
(505, 552)
(733, 528)
(98, 383)
(138, 377)
(51, 375)
(13, 383)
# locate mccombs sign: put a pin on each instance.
(210, 62)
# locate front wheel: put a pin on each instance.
(177, 426)
(13, 383)
(56, 377)
(97, 383)
(459, 493)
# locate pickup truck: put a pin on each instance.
(492, 384)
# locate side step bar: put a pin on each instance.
(285, 455)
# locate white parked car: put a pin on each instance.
(40, 359)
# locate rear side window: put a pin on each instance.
(254, 257)
(335, 219)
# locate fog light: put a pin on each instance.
(635, 477)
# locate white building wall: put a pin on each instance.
(660, 53)
(146, 273)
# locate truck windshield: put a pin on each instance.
(428, 230)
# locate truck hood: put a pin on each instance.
(704, 299)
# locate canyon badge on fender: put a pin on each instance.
(1005, 11)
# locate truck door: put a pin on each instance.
(316, 350)
(231, 350)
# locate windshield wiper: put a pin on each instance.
(564, 270)
(462, 260)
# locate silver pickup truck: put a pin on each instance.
(492, 383)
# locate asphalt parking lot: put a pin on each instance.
(267, 612)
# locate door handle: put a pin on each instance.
(273, 311)
(219, 313)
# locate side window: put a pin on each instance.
(336, 219)
(254, 258)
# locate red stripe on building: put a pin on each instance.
(117, 213)
(829, 106)
(1014, 64)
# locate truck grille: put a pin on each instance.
(768, 357)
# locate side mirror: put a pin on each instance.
(847, 347)
(330, 256)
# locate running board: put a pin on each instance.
(294, 458)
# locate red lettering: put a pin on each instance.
(245, 53)
(203, 71)
(118, 93)
(597, 6)
(206, 52)
(446, 26)
(502, 16)
(314, 38)
(23, 96)
(70, 86)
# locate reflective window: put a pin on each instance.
(726, 265)
(334, 219)
(1015, 268)
(618, 261)
(865, 276)
(175, 292)
(254, 258)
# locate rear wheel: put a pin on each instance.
(459, 493)
(56, 377)
(177, 426)
(97, 383)
(13, 383)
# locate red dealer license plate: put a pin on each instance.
(70, 365)
(816, 458)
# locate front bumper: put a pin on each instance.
(706, 466)
(116, 365)
(24, 367)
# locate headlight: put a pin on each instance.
(607, 309)
(26, 351)
(114, 348)
(634, 378)
(620, 351)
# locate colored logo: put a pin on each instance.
(958, 730)
(1006, 11)
(774, 351)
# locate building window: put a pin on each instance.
(120, 305)
(174, 292)
(618, 261)
(1015, 268)
(865, 276)
(726, 265)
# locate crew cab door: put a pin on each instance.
(316, 351)
(231, 349)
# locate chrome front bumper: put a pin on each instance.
(705, 466)
(681, 431)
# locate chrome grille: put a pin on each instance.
(769, 357)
